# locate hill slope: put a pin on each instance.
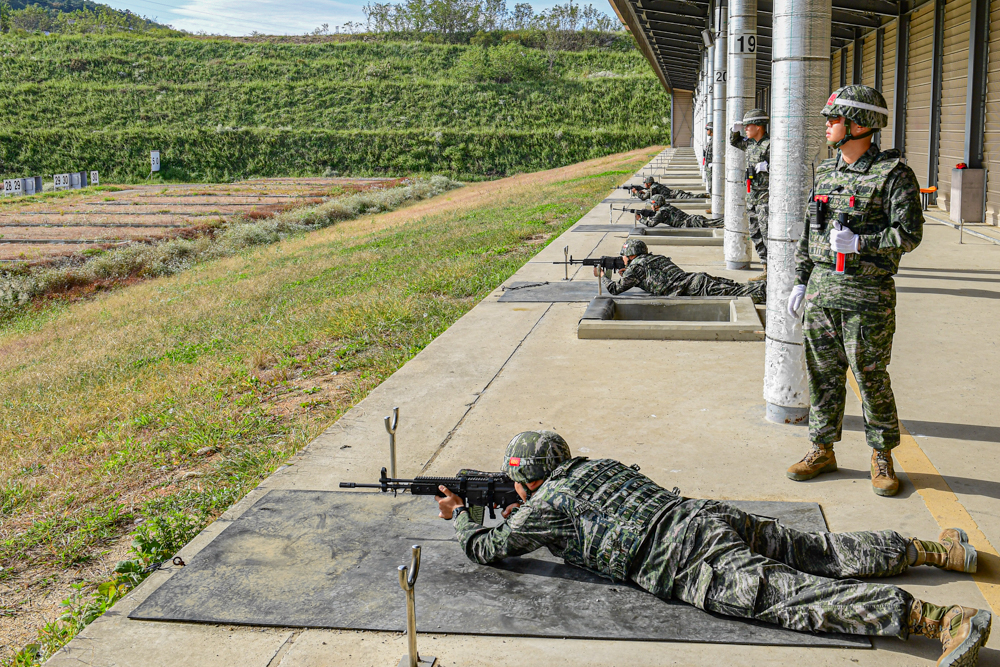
(221, 109)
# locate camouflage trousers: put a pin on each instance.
(862, 340)
(757, 212)
(700, 222)
(704, 284)
(750, 566)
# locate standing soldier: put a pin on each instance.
(757, 146)
(706, 159)
(865, 213)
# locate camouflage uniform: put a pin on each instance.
(672, 216)
(850, 318)
(756, 152)
(609, 518)
(666, 191)
(660, 277)
(708, 163)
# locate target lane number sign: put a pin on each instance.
(60, 181)
(154, 160)
(743, 44)
(94, 180)
(12, 186)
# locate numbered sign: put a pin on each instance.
(743, 44)
(8, 186)
(721, 76)
(154, 160)
(61, 181)
(93, 178)
(18, 186)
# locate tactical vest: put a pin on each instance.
(757, 181)
(854, 199)
(613, 507)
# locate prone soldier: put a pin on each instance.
(757, 147)
(660, 277)
(651, 188)
(865, 213)
(671, 216)
(609, 518)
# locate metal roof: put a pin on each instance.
(669, 32)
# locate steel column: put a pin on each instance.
(843, 66)
(857, 65)
(719, 138)
(740, 99)
(937, 67)
(975, 95)
(800, 81)
(899, 83)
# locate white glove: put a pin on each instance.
(762, 166)
(795, 299)
(737, 127)
(843, 240)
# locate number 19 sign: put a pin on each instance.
(744, 44)
(154, 160)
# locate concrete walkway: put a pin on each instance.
(689, 413)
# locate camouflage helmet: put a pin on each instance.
(634, 247)
(532, 455)
(708, 125)
(756, 117)
(862, 104)
(649, 180)
(658, 201)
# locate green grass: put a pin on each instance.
(108, 402)
(221, 109)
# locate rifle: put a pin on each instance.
(630, 187)
(480, 490)
(615, 263)
(641, 212)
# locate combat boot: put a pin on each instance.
(884, 480)
(952, 552)
(962, 631)
(819, 460)
(762, 276)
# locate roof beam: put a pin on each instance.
(877, 7)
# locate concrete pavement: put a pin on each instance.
(689, 413)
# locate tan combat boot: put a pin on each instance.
(819, 460)
(884, 480)
(952, 552)
(762, 276)
(962, 631)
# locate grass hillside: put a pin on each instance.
(222, 109)
(160, 404)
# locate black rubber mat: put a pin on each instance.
(327, 559)
(556, 291)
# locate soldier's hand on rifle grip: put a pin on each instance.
(448, 503)
(510, 508)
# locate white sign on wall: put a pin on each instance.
(93, 178)
(154, 160)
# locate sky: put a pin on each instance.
(273, 17)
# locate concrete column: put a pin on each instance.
(709, 104)
(719, 140)
(740, 91)
(800, 79)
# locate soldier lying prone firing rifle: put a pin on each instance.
(641, 212)
(480, 490)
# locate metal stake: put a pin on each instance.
(407, 578)
(566, 265)
(392, 440)
(961, 230)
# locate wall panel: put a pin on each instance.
(889, 78)
(954, 75)
(918, 91)
(991, 157)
